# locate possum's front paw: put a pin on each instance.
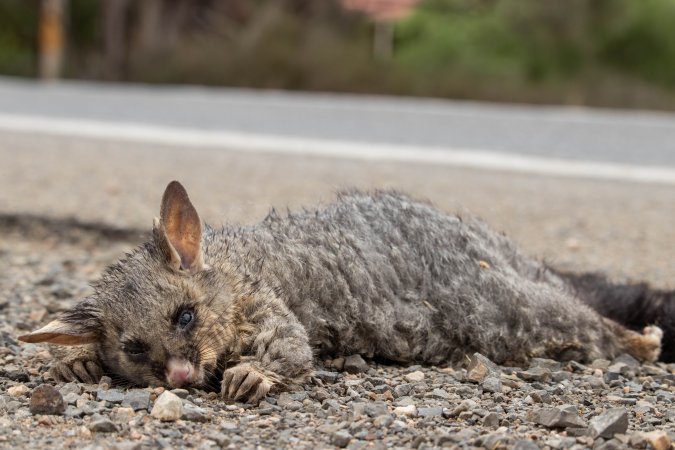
(79, 369)
(246, 382)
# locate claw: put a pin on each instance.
(80, 371)
(260, 392)
(251, 380)
(62, 372)
(245, 383)
(94, 370)
(237, 378)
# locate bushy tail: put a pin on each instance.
(633, 305)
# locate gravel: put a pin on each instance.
(601, 405)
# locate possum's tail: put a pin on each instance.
(633, 305)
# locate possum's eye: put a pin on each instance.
(135, 348)
(185, 319)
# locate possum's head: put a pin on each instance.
(160, 315)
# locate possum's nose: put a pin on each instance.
(179, 372)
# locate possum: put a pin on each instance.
(373, 273)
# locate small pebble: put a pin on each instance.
(414, 377)
(355, 364)
(46, 400)
(168, 407)
(340, 439)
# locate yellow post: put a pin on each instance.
(51, 39)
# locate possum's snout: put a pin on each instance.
(180, 372)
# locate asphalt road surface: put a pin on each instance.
(630, 138)
(54, 163)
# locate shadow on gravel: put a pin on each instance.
(68, 229)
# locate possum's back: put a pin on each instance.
(377, 273)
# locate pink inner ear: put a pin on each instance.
(182, 226)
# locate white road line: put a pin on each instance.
(471, 158)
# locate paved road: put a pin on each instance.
(634, 138)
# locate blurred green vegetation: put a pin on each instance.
(18, 28)
(592, 52)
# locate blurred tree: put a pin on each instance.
(51, 38)
(115, 24)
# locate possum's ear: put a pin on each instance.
(178, 232)
(77, 326)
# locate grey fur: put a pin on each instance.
(375, 273)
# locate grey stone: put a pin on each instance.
(325, 375)
(17, 375)
(491, 420)
(229, 426)
(110, 395)
(45, 399)
(181, 393)
(404, 401)
(462, 436)
(402, 389)
(560, 375)
(627, 360)
(330, 404)
(601, 364)
(560, 442)
(320, 394)
(595, 383)
(465, 405)
(194, 413)
(611, 376)
(294, 406)
(103, 425)
(525, 445)
(375, 409)
(440, 393)
(541, 396)
(70, 388)
(612, 444)
(137, 399)
(285, 398)
(429, 412)
(90, 408)
(559, 417)
(544, 363)
(496, 440)
(576, 366)
(492, 384)
(355, 364)
(127, 445)
(340, 439)
(221, 439)
(383, 421)
(609, 423)
(535, 374)
(266, 409)
(71, 398)
(480, 367)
